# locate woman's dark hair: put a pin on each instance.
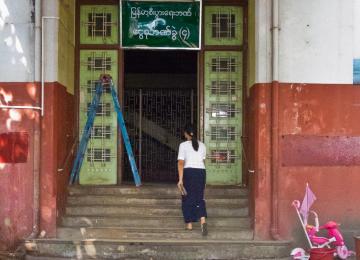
(189, 129)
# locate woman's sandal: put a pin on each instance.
(188, 228)
(204, 229)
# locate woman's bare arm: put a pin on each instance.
(180, 171)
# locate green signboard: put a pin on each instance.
(160, 25)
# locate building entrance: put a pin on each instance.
(160, 97)
(161, 92)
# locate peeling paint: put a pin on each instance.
(312, 150)
(32, 15)
(313, 111)
(7, 222)
(263, 109)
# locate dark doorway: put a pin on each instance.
(160, 98)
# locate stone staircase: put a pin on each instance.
(146, 223)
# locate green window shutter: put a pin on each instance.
(223, 25)
(99, 24)
(223, 116)
(100, 160)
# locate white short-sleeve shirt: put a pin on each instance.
(192, 158)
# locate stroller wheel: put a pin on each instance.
(342, 252)
(299, 254)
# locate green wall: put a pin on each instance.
(223, 84)
(66, 43)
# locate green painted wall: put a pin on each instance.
(109, 17)
(99, 25)
(66, 43)
(100, 161)
(223, 84)
(228, 10)
(223, 118)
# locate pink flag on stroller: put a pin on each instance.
(308, 200)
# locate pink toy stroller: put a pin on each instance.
(334, 240)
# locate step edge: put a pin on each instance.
(180, 242)
(152, 206)
(132, 216)
(146, 230)
(135, 196)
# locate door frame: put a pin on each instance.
(200, 74)
(120, 88)
(195, 53)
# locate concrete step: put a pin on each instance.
(156, 221)
(153, 189)
(8, 255)
(125, 222)
(153, 234)
(148, 200)
(145, 210)
(30, 257)
(160, 249)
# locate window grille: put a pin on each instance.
(223, 25)
(222, 156)
(223, 64)
(223, 87)
(99, 63)
(104, 109)
(223, 110)
(99, 24)
(223, 133)
(99, 155)
(101, 132)
(91, 87)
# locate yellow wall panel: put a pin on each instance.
(66, 43)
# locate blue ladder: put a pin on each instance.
(125, 136)
(104, 79)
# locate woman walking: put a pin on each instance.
(192, 179)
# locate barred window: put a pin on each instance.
(223, 25)
(104, 109)
(101, 132)
(223, 110)
(99, 63)
(223, 87)
(98, 155)
(223, 133)
(99, 24)
(222, 64)
(222, 156)
(91, 87)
